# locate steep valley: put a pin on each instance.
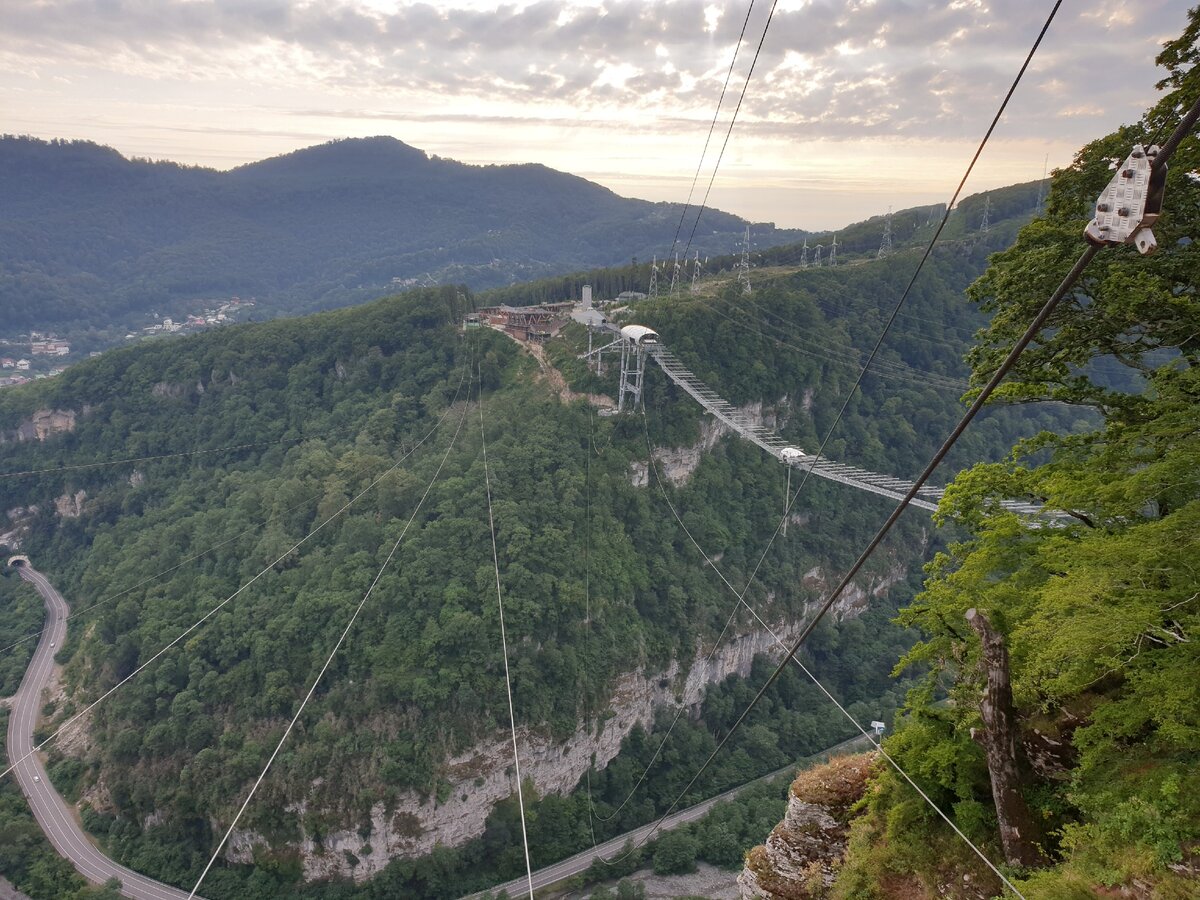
(398, 777)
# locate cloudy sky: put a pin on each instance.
(853, 105)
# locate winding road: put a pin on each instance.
(56, 818)
(581, 862)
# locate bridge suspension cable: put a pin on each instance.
(329, 660)
(219, 606)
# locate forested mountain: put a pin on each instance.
(599, 580)
(1070, 749)
(91, 243)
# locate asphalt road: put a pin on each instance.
(580, 862)
(53, 814)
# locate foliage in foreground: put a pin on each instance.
(1101, 613)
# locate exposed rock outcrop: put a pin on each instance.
(483, 776)
(800, 858)
(70, 506)
(676, 464)
(42, 424)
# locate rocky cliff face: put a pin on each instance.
(41, 425)
(800, 859)
(676, 464)
(484, 776)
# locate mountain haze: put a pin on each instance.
(92, 240)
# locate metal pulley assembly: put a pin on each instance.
(1131, 203)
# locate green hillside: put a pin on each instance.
(93, 245)
(1098, 616)
(329, 403)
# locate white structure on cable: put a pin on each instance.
(817, 255)
(653, 292)
(833, 251)
(885, 246)
(987, 209)
(744, 265)
(804, 254)
(696, 272)
(674, 277)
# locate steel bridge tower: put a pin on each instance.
(633, 374)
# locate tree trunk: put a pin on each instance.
(1019, 834)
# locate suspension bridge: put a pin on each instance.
(637, 343)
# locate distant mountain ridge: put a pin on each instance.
(90, 240)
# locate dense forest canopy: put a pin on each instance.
(92, 244)
(1100, 615)
(328, 403)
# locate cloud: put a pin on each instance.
(908, 68)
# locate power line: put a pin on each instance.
(214, 610)
(329, 660)
(512, 719)
(716, 114)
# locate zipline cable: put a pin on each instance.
(332, 653)
(882, 370)
(679, 710)
(741, 601)
(1034, 328)
(732, 122)
(941, 225)
(512, 719)
(712, 126)
(214, 610)
(50, 470)
(872, 357)
(150, 578)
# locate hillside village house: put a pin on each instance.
(8, 363)
(23, 365)
(49, 348)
